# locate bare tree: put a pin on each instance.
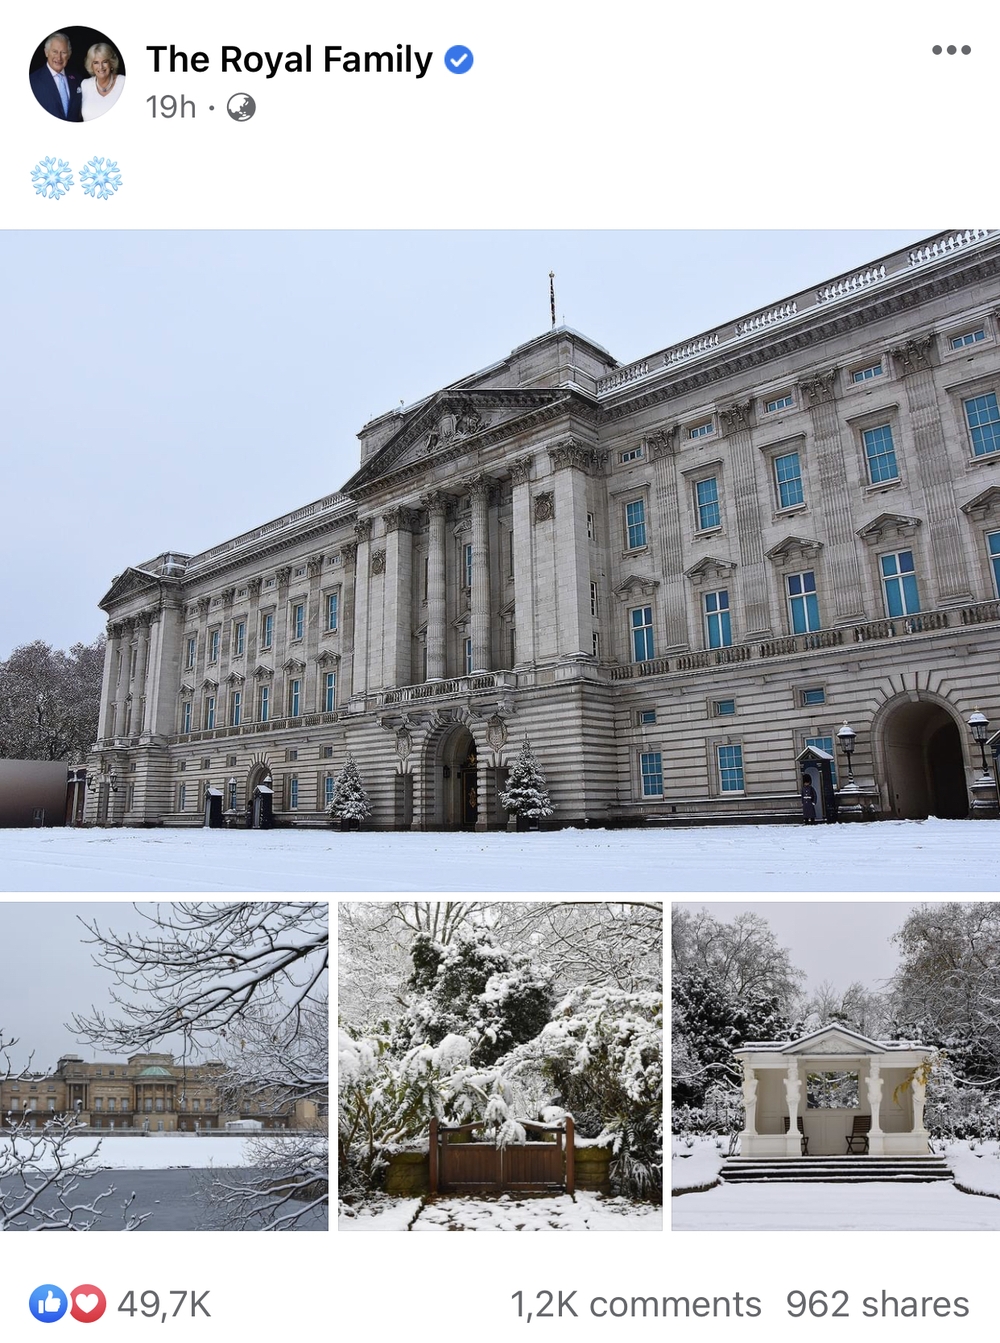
(284, 1188)
(742, 956)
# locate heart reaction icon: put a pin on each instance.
(89, 1303)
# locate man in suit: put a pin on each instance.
(55, 90)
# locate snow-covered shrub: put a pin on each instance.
(603, 1054)
(494, 998)
(525, 794)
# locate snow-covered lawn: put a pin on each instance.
(976, 1169)
(697, 1166)
(160, 1151)
(902, 856)
(583, 1212)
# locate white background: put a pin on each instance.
(627, 115)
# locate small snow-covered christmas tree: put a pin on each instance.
(525, 794)
(350, 801)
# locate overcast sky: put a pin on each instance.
(47, 974)
(170, 390)
(838, 941)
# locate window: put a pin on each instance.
(651, 772)
(186, 717)
(730, 760)
(182, 793)
(98, 1103)
(239, 638)
(642, 633)
(467, 656)
(635, 525)
(723, 707)
(788, 480)
(866, 374)
(298, 620)
(131, 664)
(467, 566)
(593, 599)
(328, 786)
(779, 403)
(130, 797)
(967, 338)
(210, 712)
(718, 628)
(814, 695)
(196, 1105)
(803, 604)
(632, 455)
(595, 644)
(265, 703)
(900, 582)
(993, 550)
(881, 453)
(702, 430)
(333, 609)
(192, 651)
(294, 690)
(591, 526)
(292, 754)
(706, 498)
(112, 1103)
(213, 646)
(159, 1105)
(645, 716)
(293, 792)
(267, 631)
(983, 418)
(327, 752)
(825, 744)
(329, 692)
(237, 707)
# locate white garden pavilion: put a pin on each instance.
(778, 1075)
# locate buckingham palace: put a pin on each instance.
(680, 579)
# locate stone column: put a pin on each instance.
(843, 593)
(112, 649)
(662, 447)
(121, 686)
(749, 1104)
(139, 685)
(362, 582)
(345, 688)
(397, 625)
(437, 508)
(571, 462)
(479, 614)
(930, 453)
(312, 698)
(793, 1094)
(754, 606)
(874, 1085)
(524, 594)
(918, 1087)
(279, 692)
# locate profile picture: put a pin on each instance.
(77, 74)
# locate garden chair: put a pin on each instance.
(805, 1140)
(859, 1134)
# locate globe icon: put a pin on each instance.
(241, 107)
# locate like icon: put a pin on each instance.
(89, 1303)
(47, 1303)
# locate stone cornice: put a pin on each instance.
(570, 452)
(888, 526)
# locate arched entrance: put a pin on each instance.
(450, 781)
(260, 797)
(924, 764)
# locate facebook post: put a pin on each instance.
(482, 477)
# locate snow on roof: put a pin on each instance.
(832, 1028)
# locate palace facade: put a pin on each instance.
(148, 1091)
(671, 576)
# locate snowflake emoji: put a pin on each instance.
(51, 178)
(100, 178)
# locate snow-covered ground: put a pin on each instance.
(697, 1166)
(583, 1212)
(903, 856)
(159, 1151)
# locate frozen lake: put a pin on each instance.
(894, 856)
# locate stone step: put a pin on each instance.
(836, 1170)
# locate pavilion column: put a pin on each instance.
(793, 1094)
(479, 615)
(437, 509)
(749, 1103)
(876, 1146)
(918, 1088)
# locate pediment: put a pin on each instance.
(235, 678)
(261, 673)
(636, 585)
(185, 689)
(710, 568)
(793, 547)
(293, 664)
(128, 584)
(985, 505)
(888, 526)
(452, 421)
(834, 1039)
(209, 684)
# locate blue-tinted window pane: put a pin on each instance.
(816, 695)
(707, 494)
(825, 744)
(983, 416)
(802, 602)
(866, 374)
(635, 524)
(724, 707)
(902, 597)
(651, 765)
(969, 338)
(702, 430)
(788, 474)
(881, 453)
(718, 629)
(642, 634)
(993, 544)
(779, 403)
(730, 768)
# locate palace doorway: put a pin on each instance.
(924, 764)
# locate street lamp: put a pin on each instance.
(846, 737)
(979, 727)
(232, 793)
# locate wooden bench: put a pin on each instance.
(859, 1134)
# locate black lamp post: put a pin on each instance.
(846, 737)
(232, 794)
(979, 727)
